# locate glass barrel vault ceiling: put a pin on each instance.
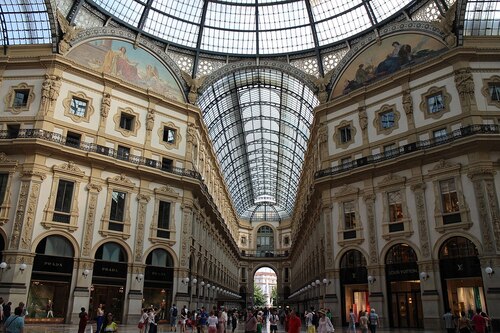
(252, 27)
(259, 122)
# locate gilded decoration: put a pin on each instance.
(71, 110)
(14, 103)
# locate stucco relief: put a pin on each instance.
(418, 190)
(94, 190)
(372, 230)
(30, 216)
(141, 214)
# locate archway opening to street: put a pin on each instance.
(265, 288)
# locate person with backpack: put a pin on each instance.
(173, 318)
(273, 322)
(373, 321)
(315, 318)
(309, 317)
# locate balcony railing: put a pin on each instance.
(410, 148)
(95, 148)
(265, 254)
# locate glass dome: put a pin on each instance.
(252, 27)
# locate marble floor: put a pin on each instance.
(64, 328)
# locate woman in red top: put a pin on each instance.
(294, 323)
(479, 322)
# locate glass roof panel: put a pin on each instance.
(189, 10)
(225, 41)
(283, 16)
(180, 32)
(230, 17)
(385, 8)
(482, 18)
(286, 40)
(325, 9)
(129, 11)
(26, 22)
(343, 26)
(263, 158)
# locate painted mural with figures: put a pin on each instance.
(134, 65)
(387, 57)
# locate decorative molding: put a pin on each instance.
(166, 191)
(419, 194)
(121, 180)
(141, 221)
(433, 91)
(69, 168)
(136, 123)
(9, 99)
(377, 120)
(29, 221)
(178, 137)
(485, 90)
(89, 110)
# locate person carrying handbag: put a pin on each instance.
(324, 323)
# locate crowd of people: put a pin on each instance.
(13, 322)
(478, 322)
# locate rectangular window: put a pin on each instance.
(4, 177)
(495, 91)
(390, 150)
(449, 201)
(163, 220)
(440, 135)
(435, 103)
(387, 119)
(78, 107)
(13, 131)
(21, 97)
(349, 215)
(123, 153)
(73, 139)
(167, 164)
(345, 162)
(395, 206)
(62, 208)
(117, 212)
(345, 134)
(127, 121)
(169, 134)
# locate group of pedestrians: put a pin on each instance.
(366, 321)
(479, 323)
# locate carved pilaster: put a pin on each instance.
(487, 206)
(464, 82)
(327, 217)
(187, 216)
(27, 206)
(141, 218)
(372, 230)
(423, 234)
(88, 231)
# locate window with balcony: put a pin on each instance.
(449, 201)
(4, 177)
(123, 153)
(62, 208)
(163, 220)
(117, 211)
(349, 215)
(440, 135)
(167, 164)
(13, 130)
(73, 139)
(395, 211)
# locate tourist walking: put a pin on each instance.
(373, 321)
(363, 322)
(325, 325)
(84, 317)
(449, 321)
(15, 323)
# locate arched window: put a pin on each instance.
(160, 258)
(111, 252)
(353, 259)
(457, 247)
(55, 246)
(400, 254)
(265, 241)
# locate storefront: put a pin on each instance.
(49, 290)
(158, 282)
(403, 288)
(461, 277)
(353, 284)
(109, 280)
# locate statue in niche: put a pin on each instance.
(407, 102)
(150, 119)
(105, 104)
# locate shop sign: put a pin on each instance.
(110, 269)
(402, 272)
(44, 263)
(159, 274)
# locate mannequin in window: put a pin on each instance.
(50, 305)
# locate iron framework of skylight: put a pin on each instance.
(252, 27)
(25, 22)
(258, 121)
